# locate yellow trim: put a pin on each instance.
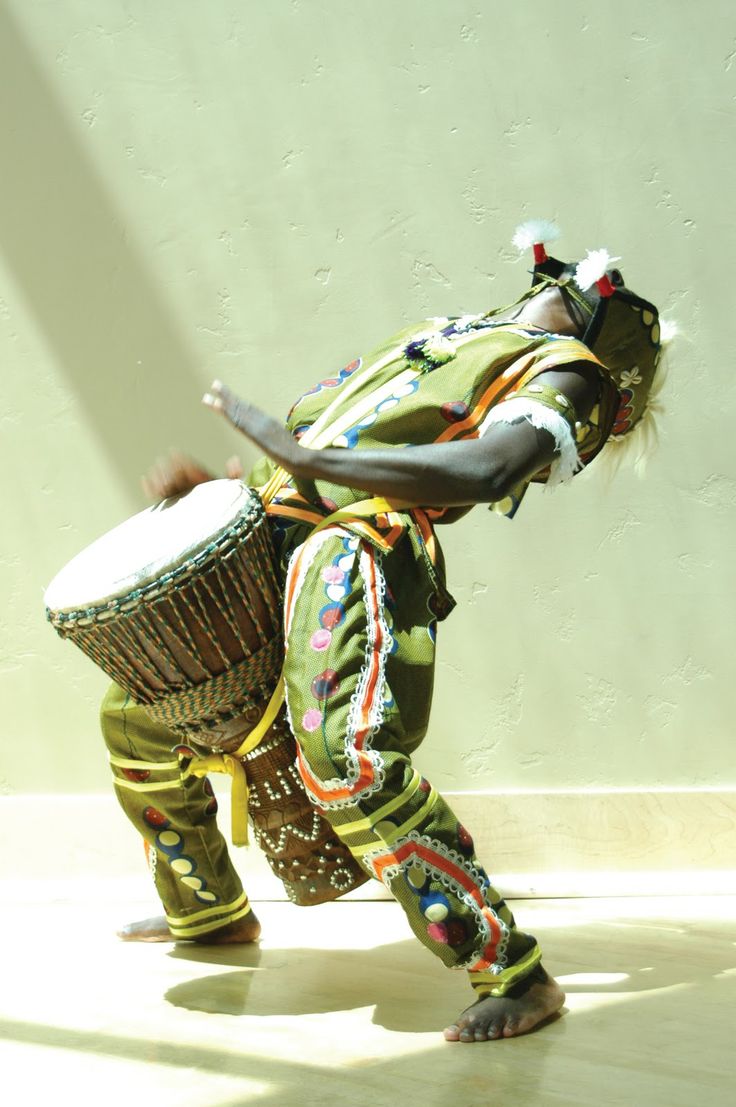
(416, 818)
(231, 764)
(266, 720)
(195, 931)
(489, 984)
(388, 808)
(145, 786)
(152, 766)
(208, 912)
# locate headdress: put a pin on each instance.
(621, 328)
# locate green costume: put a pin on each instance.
(363, 595)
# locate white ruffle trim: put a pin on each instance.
(567, 463)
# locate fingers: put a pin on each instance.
(173, 475)
(217, 396)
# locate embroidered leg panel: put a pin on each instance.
(359, 671)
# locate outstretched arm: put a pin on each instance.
(481, 470)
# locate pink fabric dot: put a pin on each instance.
(320, 640)
(438, 932)
(333, 575)
(312, 719)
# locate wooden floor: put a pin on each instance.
(339, 1005)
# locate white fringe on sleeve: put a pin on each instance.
(567, 463)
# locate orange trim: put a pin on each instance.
(285, 512)
(427, 532)
(502, 384)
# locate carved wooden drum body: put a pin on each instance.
(181, 605)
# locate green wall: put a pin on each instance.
(257, 191)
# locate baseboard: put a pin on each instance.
(535, 844)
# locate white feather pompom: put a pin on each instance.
(592, 268)
(535, 230)
(668, 329)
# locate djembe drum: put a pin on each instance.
(181, 606)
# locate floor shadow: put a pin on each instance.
(322, 980)
(87, 284)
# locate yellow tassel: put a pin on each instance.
(231, 764)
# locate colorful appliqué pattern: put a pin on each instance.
(422, 860)
(329, 382)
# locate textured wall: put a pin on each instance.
(257, 191)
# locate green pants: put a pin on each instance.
(360, 646)
(195, 879)
(359, 667)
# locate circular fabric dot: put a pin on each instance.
(331, 615)
(312, 720)
(369, 420)
(454, 411)
(535, 388)
(464, 838)
(137, 775)
(168, 839)
(386, 405)
(325, 685)
(655, 334)
(183, 866)
(341, 440)
(438, 933)
(406, 389)
(335, 592)
(436, 912)
(416, 876)
(206, 897)
(332, 574)
(155, 818)
(346, 562)
(563, 400)
(504, 505)
(456, 932)
(647, 318)
(320, 640)
(194, 882)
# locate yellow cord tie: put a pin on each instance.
(231, 764)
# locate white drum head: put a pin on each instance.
(142, 549)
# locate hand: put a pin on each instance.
(266, 432)
(176, 474)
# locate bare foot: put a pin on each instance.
(246, 929)
(519, 1011)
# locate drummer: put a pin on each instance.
(488, 404)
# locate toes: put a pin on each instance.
(495, 1030)
(512, 1028)
(451, 1033)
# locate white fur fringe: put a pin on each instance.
(567, 463)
